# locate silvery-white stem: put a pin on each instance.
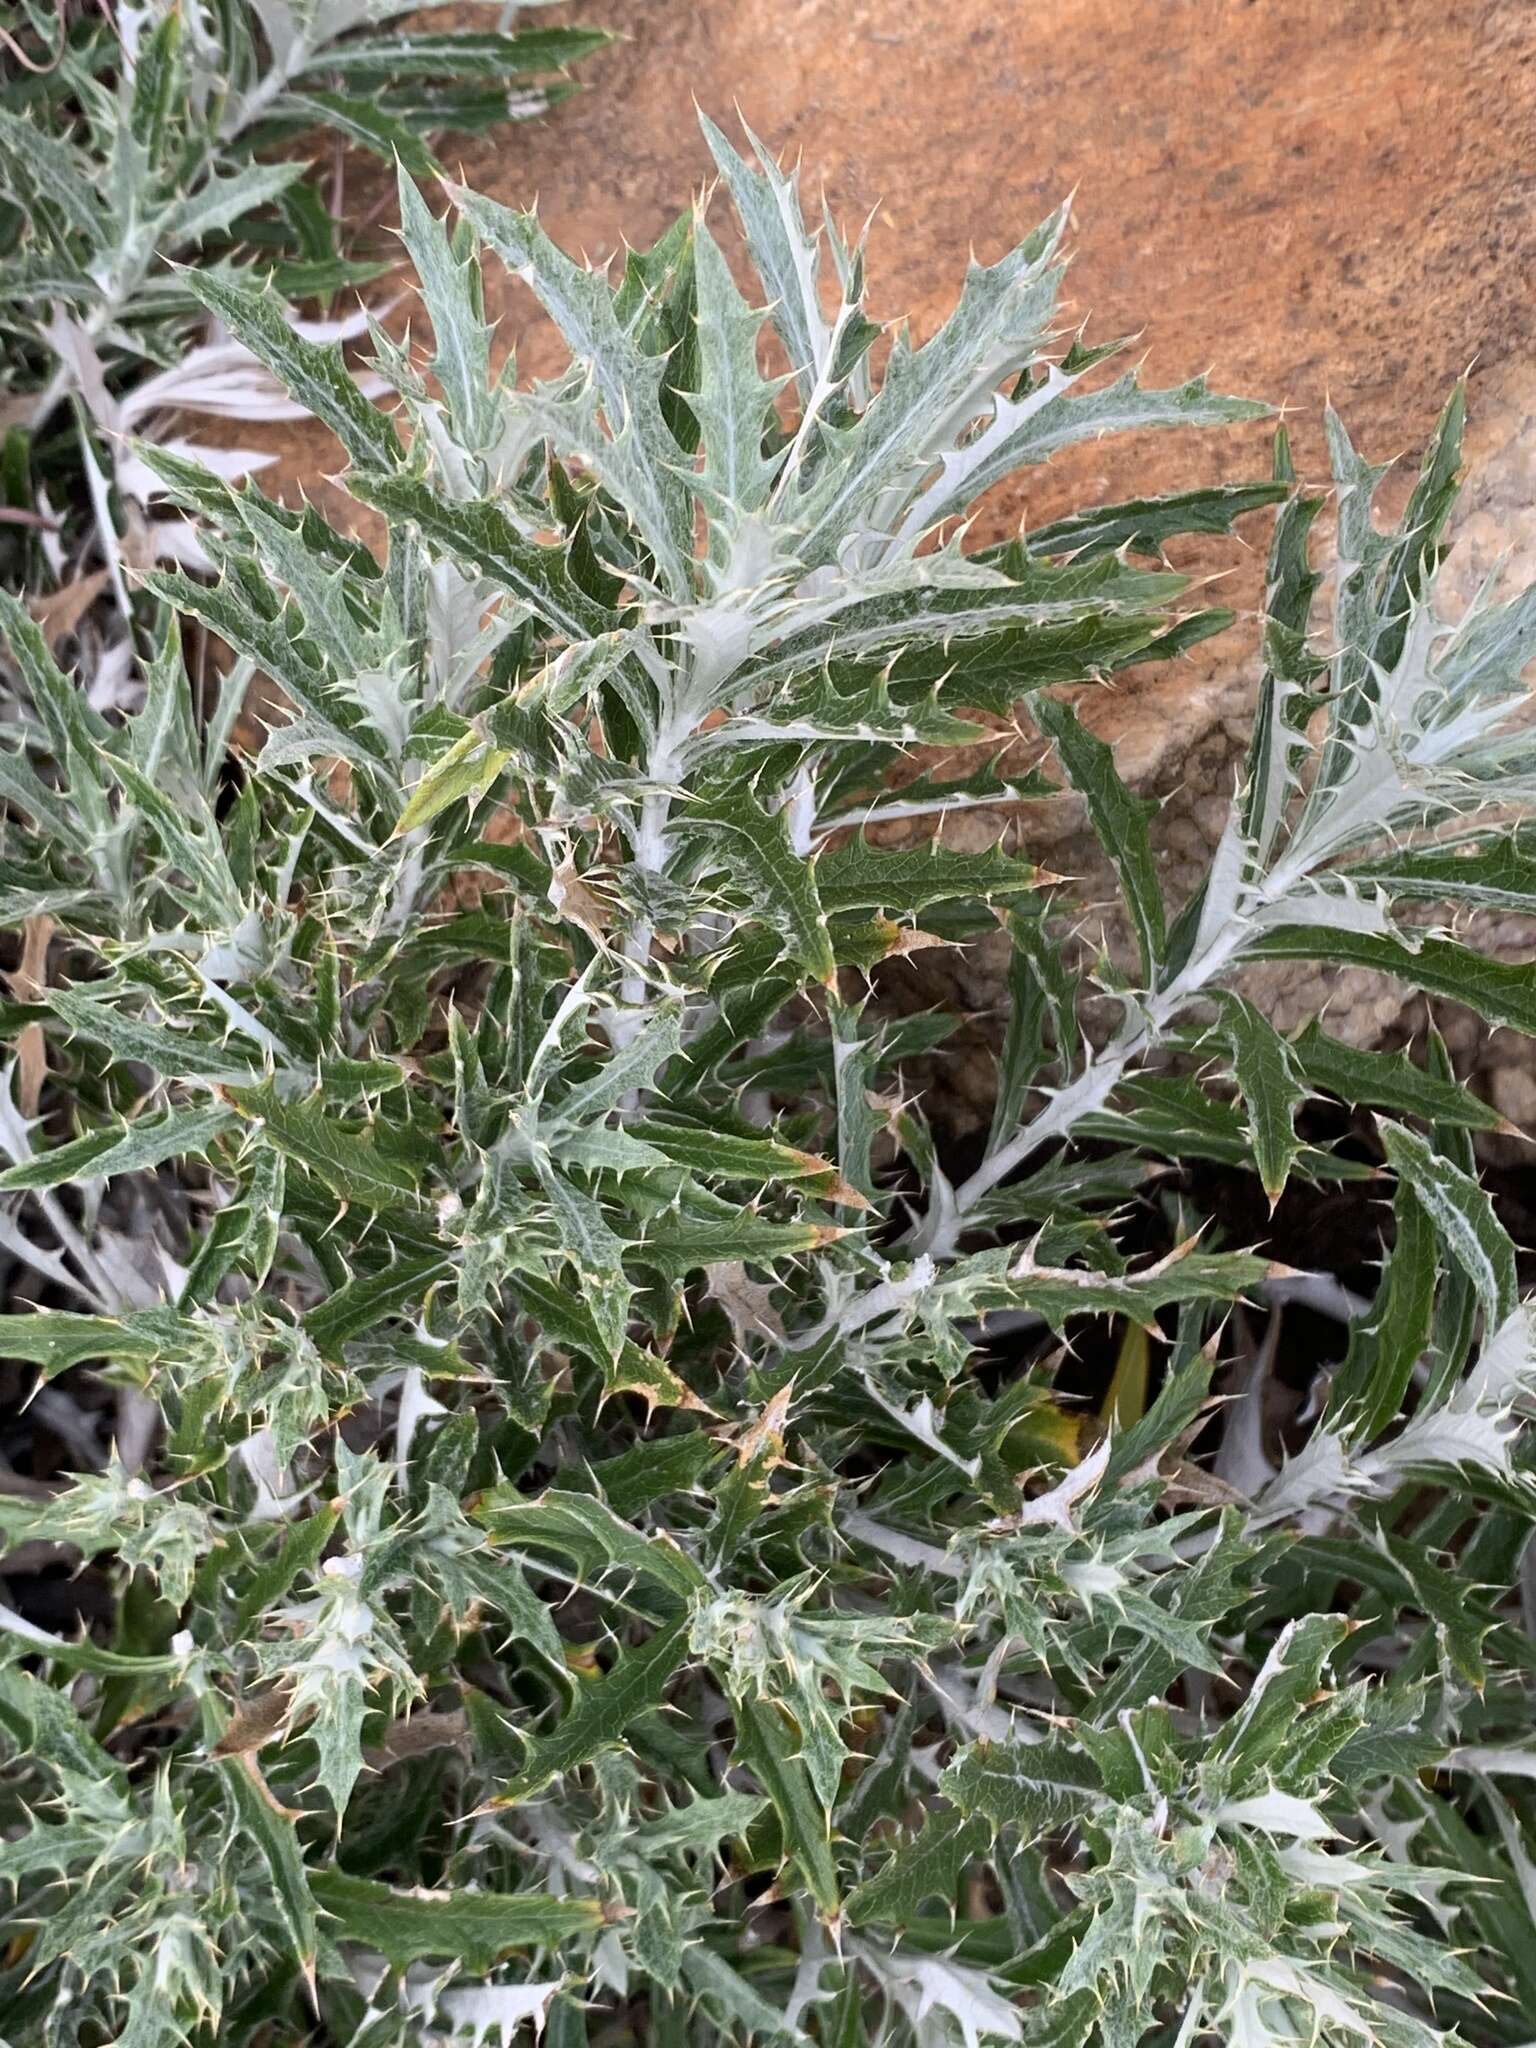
(939, 1232)
(651, 850)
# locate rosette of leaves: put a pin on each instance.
(590, 1569)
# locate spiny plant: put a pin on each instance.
(606, 1546)
(137, 139)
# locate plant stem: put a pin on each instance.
(940, 1230)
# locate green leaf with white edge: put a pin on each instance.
(79, 1654)
(945, 618)
(733, 402)
(1387, 1081)
(578, 1526)
(56, 1339)
(632, 1067)
(1044, 962)
(448, 281)
(1367, 634)
(47, 1847)
(1273, 1089)
(929, 395)
(938, 796)
(784, 253)
(637, 452)
(362, 121)
(1462, 1215)
(1026, 434)
(468, 769)
(702, 1823)
(573, 676)
(256, 1816)
(73, 725)
(1143, 524)
(1278, 741)
(776, 884)
(463, 53)
(728, 1997)
(1484, 870)
(1176, 1118)
(327, 723)
(59, 173)
(768, 1746)
(676, 1245)
(479, 533)
(1250, 1745)
(859, 1121)
(1007, 1278)
(311, 371)
(1461, 1622)
(1031, 1786)
(41, 1719)
(324, 591)
(567, 1318)
(135, 1148)
(348, 1159)
(1501, 991)
(225, 198)
(590, 1246)
(732, 1155)
(359, 1304)
(1118, 818)
(903, 881)
(1386, 1347)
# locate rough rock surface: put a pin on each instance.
(1301, 197)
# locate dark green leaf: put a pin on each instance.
(605, 1709)
(1272, 1090)
(472, 1928)
(925, 1867)
(1119, 818)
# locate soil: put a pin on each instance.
(1305, 199)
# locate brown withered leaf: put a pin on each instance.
(415, 1734)
(28, 982)
(829, 1185)
(572, 897)
(253, 1723)
(1192, 1485)
(60, 611)
(902, 939)
(748, 1303)
(246, 1761)
(761, 1441)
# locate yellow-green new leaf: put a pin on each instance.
(468, 768)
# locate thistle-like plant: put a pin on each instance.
(613, 1553)
(137, 140)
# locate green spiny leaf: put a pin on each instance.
(1119, 819)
